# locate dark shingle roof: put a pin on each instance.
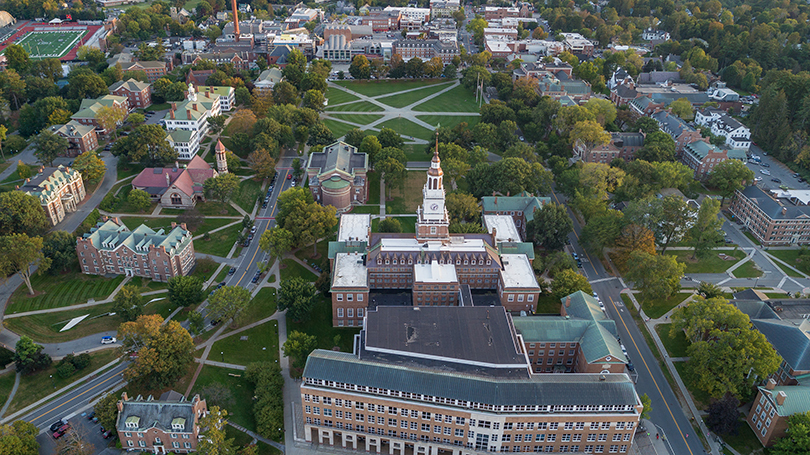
(791, 339)
(772, 208)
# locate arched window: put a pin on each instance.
(176, 199)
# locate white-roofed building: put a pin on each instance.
(354, 227)
(502, 227)
(518, 286)
(349, 289)
(435, 284)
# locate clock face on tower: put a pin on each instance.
(434, 207)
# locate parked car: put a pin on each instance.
(764, 164)
(765, 171)
(108, 340)
(91, 415)
(575, 256)
(61, 431)
(775, 180)
(56, 425)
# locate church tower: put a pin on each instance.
(222, 162)
(433, 221)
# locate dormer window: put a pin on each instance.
(178, 424)
(132, 422)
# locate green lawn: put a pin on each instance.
(458, 99)
(240, 409)
(261, 346)
(338, 96)
(6, 383)
(408, 98)
(204, 268)
(373, 187)
(710, 264)
(166, 223)
(377, 88)
(40, 384)
(261, 306)
(359, 106)
(210, 208)
(249, 192)
(407, 129)
(408, 196)
(791, 257)
(305, 253)
(747, 270)
(147, 285)
(449, 121)
(701, 398)
(319, 324)
(60, 291)
(659, 307)
(745, 441)
(360, 119)
(371, 209)
(752, 238)
(291, 269)
(416, 152)
(219, 243)
(676, 346)
(548, 304)
(338, 129)
(408, 224)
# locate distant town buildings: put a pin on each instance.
(111, 248)
(59, 190)
(702, 157)
(656, 36)
(154, 70)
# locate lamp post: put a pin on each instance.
(222, 354)
(53, 382)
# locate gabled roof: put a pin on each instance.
(89, 108)
(596, 339)
(338, 157)
(790, 338)
(72, 129)
(583, 306)
(130, 85)
(772, 208)
(108, 236)
(520, 203)
(161, 414)
(797, 399)
(48, 182)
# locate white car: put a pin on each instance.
(765, 171)
(108, 340)
(624, 350)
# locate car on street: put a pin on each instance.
(289, 176)
(775, 180)
(108, 340)
(57, 425)
(624, 350)
(579, 264)
(765, 171)
(231, 271)
(575, 256)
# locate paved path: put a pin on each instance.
(26, 156)
(391, 113)
(11, 394)
(202, 359)
(257, 437)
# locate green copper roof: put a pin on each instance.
(335, 183)
(597, 340)
(180, 136)
(341, 247)
(526, 248)
(523, 203)
(583, 306)
(797, 398)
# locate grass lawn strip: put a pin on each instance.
(377, 88)
(6, 384)
(745, 441)
(405, 199)
(319, 324)
(61, 291)
(361, 119)
(373, 187)
(407, 129)
(208, 224)
(701, 398)
(369, 209)
(210, 208)
(791, 257)
(249, 192)
(219, 243)
(457, 99)
(710, 264)
(408, 224)
(39, 385)
(305, 254)
(658, 307)
(548, 304)
(747, 270)
(291, 269)
(449, 121)
(359, 106)
(261, 306)
(752, 238)
(240, 410)
(338, 128)
(338, 96)
(676, 346)
(405, 99)
(261, 345)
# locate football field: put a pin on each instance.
(50, 44)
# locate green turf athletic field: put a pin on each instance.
(51, 44)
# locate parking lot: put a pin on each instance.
(777, 170)
(91, 433)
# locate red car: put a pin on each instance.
(289, 176)
(61, 431)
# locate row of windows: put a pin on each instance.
(349, 297)
(175, 444)
(349, 312)
(551, 352)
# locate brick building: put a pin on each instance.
(783, 221)
(337, 176)
(138, 93)
(702, 157)
(169, 424)
(621, 145)
(88, 110)
(680, 131)
(81, 138)
(456, 380)
(772, 408)
(59, 190)
(176, 187)
(426, 49)
(154, 70)
(520, 207)
(111, 248)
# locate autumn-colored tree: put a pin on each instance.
(160, 353)
(90, 166)
(262, 164)
(242, 122)
(110, 118)
(633, 238)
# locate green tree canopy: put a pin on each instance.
(297, 296)
(658, 276)
(298, 346)
(185, 291)
(550, 226)
(228, 302)
(21, 213)
(159, 353)
(567, 282)
(128, 302)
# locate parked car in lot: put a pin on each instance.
(61, 431)
(57, 425)
(775, 180)
(108, 340)
(765, 171)
(764, 164)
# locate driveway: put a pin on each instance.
(777, 170)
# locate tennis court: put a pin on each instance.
(50, 44)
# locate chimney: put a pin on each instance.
(771, 384)
(188, 114)
(207, 94)
(494, 233)
(784, 210)
(235, 20)
(568, 301)
(780, 398)
(183, 225)
(174, 106)
(120, 404)
(171, 113)
(195, 106)
(168, 182)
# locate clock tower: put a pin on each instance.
(433, 222)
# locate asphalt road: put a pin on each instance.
(666, 413)
(90, 433)
(777, 170)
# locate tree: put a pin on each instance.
(706, 233)
(392, 171)
(590, 134)
(110, 118)
(90, 166)
(603, 110)
(277, 241)
(139, 200)
(85, 84)
(658, 146)
(602, 230)
(28, 356)
(567, 282)
(658, 277)
(297, 297)
(59, 247)
(389, 138)
(797, 437)
(147, 144)
(709, 290)
(261, 163)
(21, 212)
(314, 99)
(74, 442)
(128, 303)
(320, 134)
(233, 161)
(106, 410)
(550, 226)
(298, 346)
(682, 108)
(14, 92)
(213, 440)
(285, 93)
(159, 353)
(228, 302)
(463, 207)
(646, 125)
(196, 323)
(19, 438)
(728, 355)
(49, 146)
(390, 225)
(360, 67)
(185, 291)
(633, 238)
(723, 415)
(17, 58)
(217, 123)
(509, 175)
(222, 187)
(21, 253)
(296, 67)
(730, 176)
(3, 131)
(268, 409)
(371, 146)
(647, 404)
(668, 218)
